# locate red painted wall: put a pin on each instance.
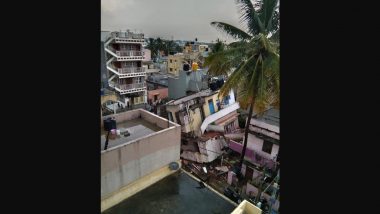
(163, 93)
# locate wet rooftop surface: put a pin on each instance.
(176, 193)
(137, 128)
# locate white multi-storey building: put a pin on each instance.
(125, 53)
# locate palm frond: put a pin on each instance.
(275, 36)
(275, 22)
(268, 9)
(222, 62)
(248, 12)
(231, 30)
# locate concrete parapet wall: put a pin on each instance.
(124, 164)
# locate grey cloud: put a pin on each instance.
(182, 19)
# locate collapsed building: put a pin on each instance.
(260, 168)
(204, 118)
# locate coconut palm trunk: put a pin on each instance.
(246, 130)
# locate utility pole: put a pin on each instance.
(106, 144)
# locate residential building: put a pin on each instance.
(103, 67)
(156, 91)
(157, 96)
(108, 102)
(263, 140)
(187, 82)
(195, 113)
(142, 150)
(175, 63)
(262, 157)
(191, 111)
(147, 55)
(204, 50)
(204, 149)
(186, 74)
(124, 64)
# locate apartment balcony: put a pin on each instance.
(132, 71)
(130, 88)
(127, 72)
(129, 55)
(127, 37)
(125, 55)
(223, 112)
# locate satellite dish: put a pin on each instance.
(173, 165)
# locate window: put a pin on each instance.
(267, 147)
(226, 100)
(218, 104)
(211, 106)
(171, 69)
(171, 61)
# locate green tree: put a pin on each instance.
(252, 62)
(152, 46)
(158, 44)
(218, 46)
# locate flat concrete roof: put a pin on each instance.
(270, 116)
(177, 193)
(136, 127)
(204, 93)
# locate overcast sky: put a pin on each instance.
(180, 19)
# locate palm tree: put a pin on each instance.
(218, 46)
(253, 60)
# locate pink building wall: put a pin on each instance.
(251, 154)
(256, 144)
(147, 55)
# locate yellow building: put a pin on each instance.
(175, 64)
(191, 111)
(210, 105)
(187, 49)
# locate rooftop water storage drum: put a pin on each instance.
(194, 66)
(219, 83)
(109, 124)
(186, 67)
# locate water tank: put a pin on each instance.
(173, 165)
(194, 66)
(219, 83)
(186, 67)
(213, 86)
(109, 124)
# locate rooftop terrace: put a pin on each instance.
(138, 123)
(178, 193)
(136, 127)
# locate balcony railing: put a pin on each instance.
(129, 53)
(127, 70)
(130, 86)
(128, 35)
